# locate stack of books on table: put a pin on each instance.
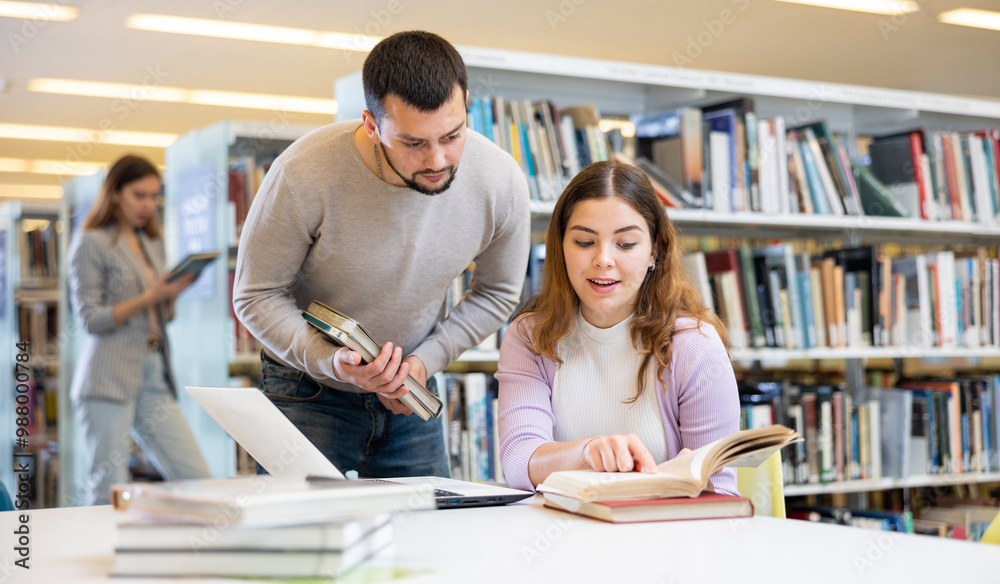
(678, 490)
(256, 527)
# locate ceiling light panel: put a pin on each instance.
(38, 11)
(262, 101)
(889, 7)
(57, 167)
(86, 135)
(251, 32)
(971, 17)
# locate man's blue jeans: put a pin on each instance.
(354, 430)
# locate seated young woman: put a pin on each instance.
(616, 365)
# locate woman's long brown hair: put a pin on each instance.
(105, 210)
(665, 295)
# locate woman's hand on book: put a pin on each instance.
(162, 289)
(384, 376)
(618, 453)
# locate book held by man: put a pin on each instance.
(350, 333)
(686, 475)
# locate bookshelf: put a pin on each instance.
(212, 174)
(8, 335)
(620, 90)
(28, 301)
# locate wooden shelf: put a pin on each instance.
(41, 285)
(890, 483)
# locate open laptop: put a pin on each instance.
(276, 444)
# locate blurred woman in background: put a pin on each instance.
(123, 384)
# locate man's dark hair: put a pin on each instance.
(418, 67)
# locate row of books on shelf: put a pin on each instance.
(920, 427)
(461, 285)
(724, 157)
(944, 175)
(38, 251)
(471, 429)
(550, 143)
(953, 518)
(38, 321)
(776, 296)
(256, 526)
(40, 392)
(40, 398)
(246, 173)
(242, 343)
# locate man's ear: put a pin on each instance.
(371, 127)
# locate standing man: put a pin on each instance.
(375, 217)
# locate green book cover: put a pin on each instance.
(876, 200)
(865, 286)
(749, 280)
(828, 146)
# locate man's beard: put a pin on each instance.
(412, 181)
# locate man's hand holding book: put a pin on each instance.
(375, 367)
(384, 376)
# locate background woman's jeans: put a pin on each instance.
(156, 423)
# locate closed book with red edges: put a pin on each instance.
(705, 506)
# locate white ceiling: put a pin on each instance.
(762, 37)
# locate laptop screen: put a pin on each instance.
(263, 431)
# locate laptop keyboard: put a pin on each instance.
(437, 492)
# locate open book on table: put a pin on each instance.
(686, 475)
(347, 332)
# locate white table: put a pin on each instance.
(528, 543)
